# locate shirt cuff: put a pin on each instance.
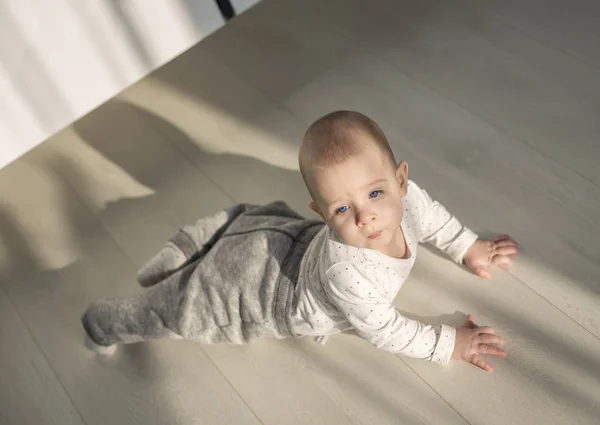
(461, 244)
(445, 345)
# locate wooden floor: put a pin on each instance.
(494, 104)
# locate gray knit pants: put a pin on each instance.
(229, 278)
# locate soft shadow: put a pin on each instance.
(455, 319)
(155, 153)
(539, 337)
(123, 18)
(348, 379)
(31, 79)
(113, 66)
(20, 257)
(51, 300)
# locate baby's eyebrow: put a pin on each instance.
(378, 181)
(375, 182)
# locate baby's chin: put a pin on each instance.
(376, 244)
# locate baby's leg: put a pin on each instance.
(189, 243)
(150, 314)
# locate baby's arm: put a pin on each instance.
(437, 226)
(357, 292)
(444, 231)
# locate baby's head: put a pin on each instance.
(352, 177)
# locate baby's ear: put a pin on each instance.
(313, 206)
(402, 176)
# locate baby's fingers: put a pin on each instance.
(469, 321)
(491, 350)
(479, 362)
(498, 242)
(501, 260)
(486, 338)
(485, 330)
(502, 239)
(482, 272)
(506, 250)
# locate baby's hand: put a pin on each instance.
(483, 254)
(472, 341)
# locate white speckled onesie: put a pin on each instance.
(343, 288)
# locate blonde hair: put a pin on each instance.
(332, 139)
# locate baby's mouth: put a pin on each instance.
(375, 235)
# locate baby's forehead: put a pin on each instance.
(354, 174)
(366, 156)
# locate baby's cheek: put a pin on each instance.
(351, 237)
(341, 230)
(348, 235)
(393, 213)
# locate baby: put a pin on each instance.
(266, 272)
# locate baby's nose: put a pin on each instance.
(363, 218)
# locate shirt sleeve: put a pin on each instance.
(358, 291)
(440, 228)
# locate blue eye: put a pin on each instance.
(342, 210)
(375, 194)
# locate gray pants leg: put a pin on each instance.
(231, 280)
(149, 314)
(188, 244)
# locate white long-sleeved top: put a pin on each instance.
(341, 287)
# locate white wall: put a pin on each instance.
(59, 59)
